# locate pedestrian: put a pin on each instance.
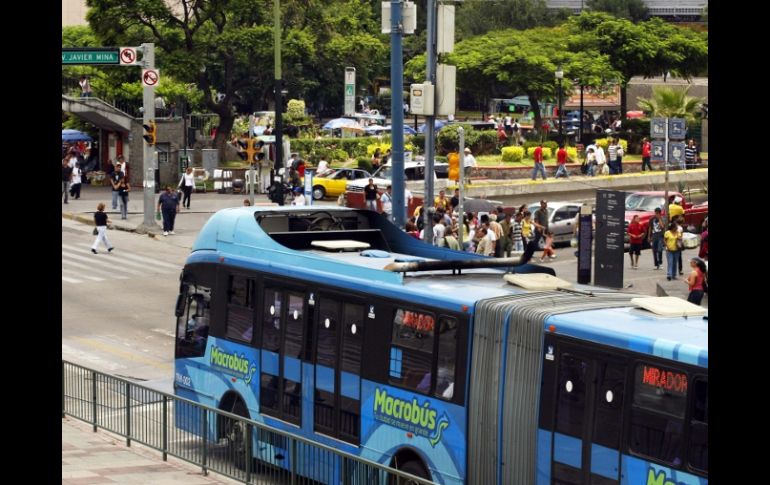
(635, 238)
(387, 202)
(186, 184)
(299, 196)
(537, 156)
(703, 253)
(548, 247)
(376, 157)
(690, 155)
(168, 204)
(655, 237)
(612, 152)
(371, 195)
(672, 238)
(123, 164)
(561, 162)
(101, 220)
(601, 162)
(246, 202)
(66, 179)
(85, 87)
(77, 179)
(646, 148)
(123, 189)
(115, 179)
(695, 281)
(469, 163)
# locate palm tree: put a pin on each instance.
(669, 102)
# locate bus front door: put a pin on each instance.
(587, 420)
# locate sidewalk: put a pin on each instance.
(103, 458)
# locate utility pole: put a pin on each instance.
(430, 125)
(278, 86)
(461, 136)
(397, 112)
(150, 162)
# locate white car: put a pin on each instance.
(561, 219)
(413, 172)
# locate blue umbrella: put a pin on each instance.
(374, 129)
(408, 130)
(74, 135)
(439, 124)
(337, 123)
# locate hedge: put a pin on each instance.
(547, 152)
(513, 154)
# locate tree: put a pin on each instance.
(512, 62)
(670, 102)
(646, 49)
(226, 46)
(476, 17)
(633, 10)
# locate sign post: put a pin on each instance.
(350, 91)
(150, 79)
(610, 233)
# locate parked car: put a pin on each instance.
(334, 184)
(414, 176)
(561, 220)
(643, 204)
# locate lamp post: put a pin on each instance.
(559, 76)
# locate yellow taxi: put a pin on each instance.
(334, 183)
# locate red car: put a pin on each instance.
(643, 204)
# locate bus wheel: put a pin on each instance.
(414, 467)
(235, 433)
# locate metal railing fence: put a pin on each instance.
(219, 441)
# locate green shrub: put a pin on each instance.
(604, 143)
(547, 152)
(513, 154)
(364, 164)
(295, 108)
(384, 147)
(572, 153)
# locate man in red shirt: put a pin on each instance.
(561, 160)
(635, 235)
(646, 147)
(537, 155)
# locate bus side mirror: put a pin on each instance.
(180, 301)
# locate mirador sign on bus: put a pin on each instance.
(91, 55)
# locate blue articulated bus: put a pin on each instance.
(334, 325)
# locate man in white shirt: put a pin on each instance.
(469, 162)
(387, 202)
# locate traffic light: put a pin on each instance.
(244, 145)
(454, 166)
(150, 135)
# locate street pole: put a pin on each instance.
(278, 86)
(559, 76)
(148, 117)
(580, 133)
(430, 125)
(397, 113)
(665, 197)
(461, 136)
(251, 162)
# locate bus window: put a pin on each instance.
(295, 323)
(657, 414)
(412, 350)
(239, 309)
(447, 355)
(352, 337)
(608, 410)
(327, 334)
(271, 321)
(193, 324)
(571, 400)
(699, 425)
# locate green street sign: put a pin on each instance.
(90, 56)
(348, 90)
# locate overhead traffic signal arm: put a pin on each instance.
(150, 133)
